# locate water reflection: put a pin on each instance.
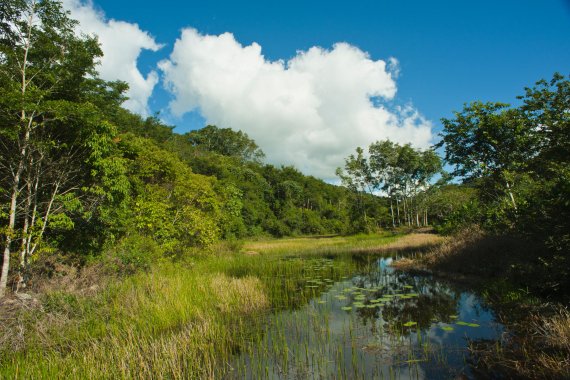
(379, 323)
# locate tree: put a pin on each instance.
(518, 159)
(401, 172)
(383, 164)
(489, 140)
(546, 111)
(226, 142)
(55, 142)
(358, 178)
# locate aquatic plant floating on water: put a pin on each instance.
(461, 323)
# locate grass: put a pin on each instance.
(357, 244)
(172, 322)
(179, 320)
(538, 348)
(184, 319)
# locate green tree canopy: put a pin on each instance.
(226, 142)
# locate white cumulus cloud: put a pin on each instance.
(311, 111)
(122, 43)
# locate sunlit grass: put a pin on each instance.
(362, 243)
(181, 319)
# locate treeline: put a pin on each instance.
(510, 171)
(80, 174)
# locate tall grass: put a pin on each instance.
(181, 319)
(172, 322)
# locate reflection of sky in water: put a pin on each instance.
(324, 341)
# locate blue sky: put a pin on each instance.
(449, 52)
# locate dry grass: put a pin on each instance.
(364, 244)
(472, 254)
(294, 244)
(415, 242)
(540, 351)
(239, 295)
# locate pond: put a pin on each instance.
(366, 321)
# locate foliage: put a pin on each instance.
(226, 142)
(132, 254)
(55, 155)
(518, 159)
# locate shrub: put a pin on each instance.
(133, 253)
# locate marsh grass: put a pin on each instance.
(184, 319)
(180, 319)
(172, 323)
(539, 350)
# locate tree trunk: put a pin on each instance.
(392, 212)
(11, 225)
(511, 196)
(398, 210)
(27, 123)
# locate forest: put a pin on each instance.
(86, 183)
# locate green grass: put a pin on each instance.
(180, 320)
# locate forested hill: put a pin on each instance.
(239, 195)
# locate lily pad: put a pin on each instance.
(346, 308)
(447, 328)
(411, 323)
(461, 323)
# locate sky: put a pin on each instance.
(311, 81)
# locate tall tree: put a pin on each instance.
(489, 140)
(55, 142)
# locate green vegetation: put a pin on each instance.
(181, 319)
(81, 176)
(402, 172)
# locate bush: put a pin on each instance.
(132, 254)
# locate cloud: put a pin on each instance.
(122, 43)
(311, 111)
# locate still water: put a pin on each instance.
(375, 323)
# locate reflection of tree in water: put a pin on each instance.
(423, 310)
(435, 301)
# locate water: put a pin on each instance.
(374, 323)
